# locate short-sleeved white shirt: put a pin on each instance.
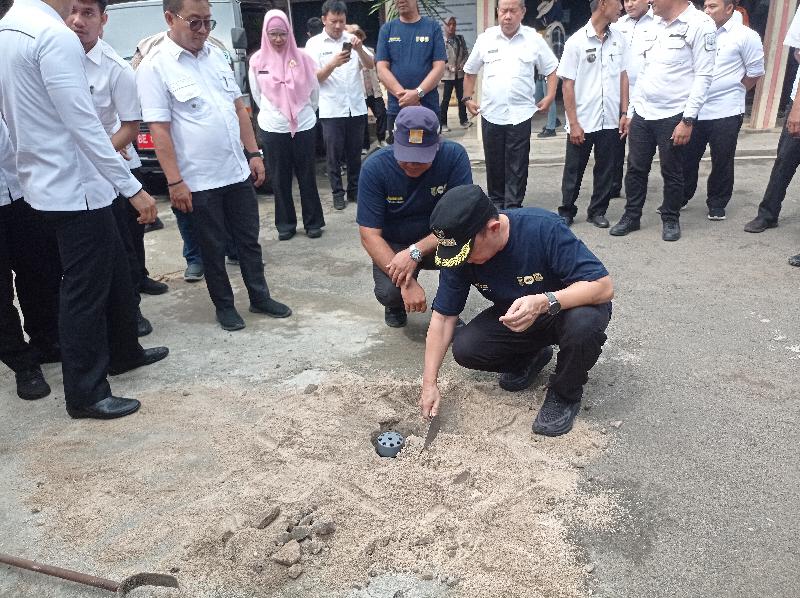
(112, 84)
(272, 120)
(596, 67)
(196, 95)
(509, 67)
(9, 184)
(678, 67)
(636, 33)
(739, 54)
(342, 93)
(793, 41)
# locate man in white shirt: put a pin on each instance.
(670, 89)
(510, 55)
(595, 89)
(342, 109)
(635, 26)
(737, 68)
(199, 123)
(68, 170)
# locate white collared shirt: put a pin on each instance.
(342, 93)
(636, 33)
(272, 120)
(739, 54)
(595, 66)
(65, 161)
(9, 184)
(509, 67)
(196, 95)
(112, 84)
(793, 41)
(678, 67)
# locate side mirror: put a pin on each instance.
(238, 38)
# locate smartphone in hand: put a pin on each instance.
(347, 46)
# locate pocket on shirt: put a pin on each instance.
(229, 84)
(527, 65)
(492, 65)
(187, 94)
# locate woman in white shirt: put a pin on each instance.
(283, 80)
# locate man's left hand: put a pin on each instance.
(681, 134)
(793, 122)
(402, 267)
(408, 97)
(257, 171)
(544, 105)
(524, 311)
(414, 297)
(624, 126)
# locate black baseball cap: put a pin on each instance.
(459, 215)
(416, 135)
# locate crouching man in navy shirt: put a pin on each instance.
(546, 287)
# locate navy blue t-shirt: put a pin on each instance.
(401, 206)
(542, 254)
(411, 48)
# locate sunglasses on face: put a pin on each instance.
(197, 24)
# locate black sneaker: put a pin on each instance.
(671, 231)
(795, 260)
(599, 220)
(758, 225)
(271, 308)
(157, 225)
(516, 381)
(716, 214)
(339, 203)
(143, 326)
(152, 287)
(31, 384)
(395, 317)
(626, 225)
(286, 235)
(230, 319)
(314, 233)
(556, 415)
(546, 133)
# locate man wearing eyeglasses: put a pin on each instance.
(199, 124)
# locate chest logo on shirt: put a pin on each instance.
(437, 191)
(395, 198)
(591, 54)
(530, 279)
(422, 39)
(482, 287)
(394, 39)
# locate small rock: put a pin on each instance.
(267, 517)
(307, 520)
(186, 393)
(385, 541)
(289, 524)
(300, 532)
(453, 580)
(315, 547)
(258, 568)
(373, 572)
(174, 570)
(589, 568)
(424, 540)
(283, 538)
(616, 424)
(587, 407)
(289, 554)
(463, 477)
(310, 388)
(369, 548)
(295, 571)
(323, 528)
(427, 576)
(36, 510)
(603, 431)
(442, 578)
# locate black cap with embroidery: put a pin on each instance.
(459, 215)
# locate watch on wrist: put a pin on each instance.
(415, 253)
(256, 154)
(420, 92)
(466, 99)
(689, 121)
(554, 306)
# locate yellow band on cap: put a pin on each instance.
(457, 259)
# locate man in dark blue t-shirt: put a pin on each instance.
(547, 289)
(398, 189)
(410, 60)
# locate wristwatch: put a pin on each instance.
(466, 99)
(420, 92)
(256, 154)
(688, 121)
(554, 306)
(415, 253)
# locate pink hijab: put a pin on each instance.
(286, 77)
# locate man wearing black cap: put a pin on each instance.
(398, 189)
(546, 287)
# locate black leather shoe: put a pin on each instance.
(31, 384)
(516, 381)
(599, 220)
(109, 408)
(149, 357)
(625, 226)
(339, 203)
(286, 235)
(230, 319)
(152, 287)
(671, 231)
(272, 308)
(758, 225)
(157, 225)
(314, 233)
(143, 326)
(395, 317)
(568, 220)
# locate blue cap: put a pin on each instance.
(416, 135)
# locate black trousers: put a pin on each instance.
(783, 169)
(231, 209)
(378, 108)
(285, 156)
(343, 140)
(386, 292)
(97, 315)
(604, 143)
(721, 135)
(390, 118)
(506, 149)
(644, 137)
(619, 166)
(122, 215)
(486, 344)
(30, 252)
(137, 235)
(458, 85)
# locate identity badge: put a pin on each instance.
(415, 136)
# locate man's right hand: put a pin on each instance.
(144, 203)
(576, 134)
(414, 297)
(341, 58)
(401, 268)
(181, 197)
(408, 97)
(429, 400)
(473, 107)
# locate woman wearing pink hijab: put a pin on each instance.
(283, 80)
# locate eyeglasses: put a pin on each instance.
(278, 34)
(196, 24)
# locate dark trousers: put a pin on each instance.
(137, 235)
(390, 118)
(721, 135)
(458, 85)
(97, 316)
(29, 251)
(378, 109)
(386, 292)
(122, 215)
(506, 149)
(604, 142)
(287, 155)
(644, 138)
(235, 207)
(343, 139)
(619, 166)
(786, 163)
(486, 344)
(191, 248)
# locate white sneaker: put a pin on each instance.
(467, 124)
(445, 129)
